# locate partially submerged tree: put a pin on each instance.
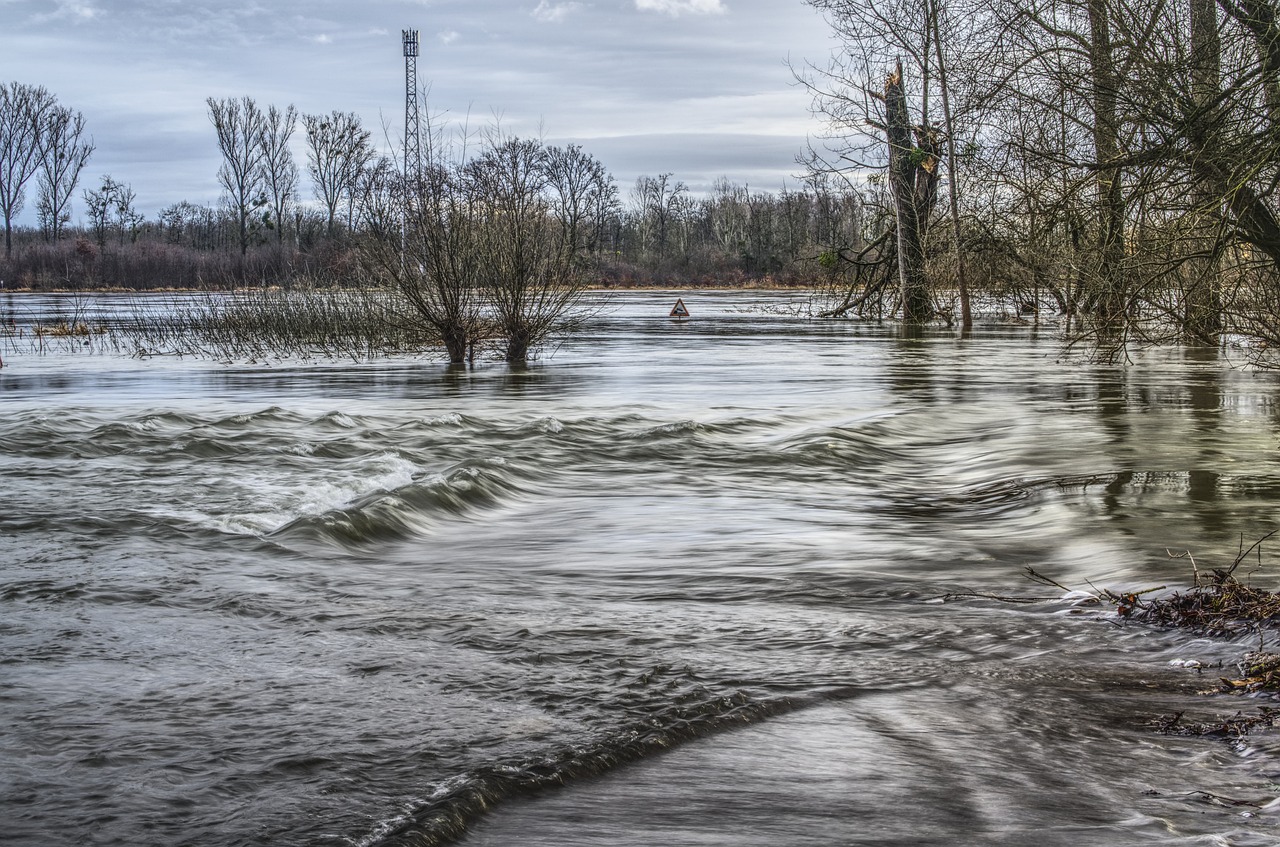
(434, 260)
(888, 129)
(532, 278)
(913, 185)
(491, 245)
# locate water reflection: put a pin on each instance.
(909, 371)
(1158, 455)
(1112, 404)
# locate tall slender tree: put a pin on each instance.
(279, 172)
(239, 126)
(22, 113)
(64, 151)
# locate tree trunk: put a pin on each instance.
(1202, 302)
(457, 343)
(953, 188)
(1259, 17)
(913, 185)
(1110, 298)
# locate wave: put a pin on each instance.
(458, 803)
(410, 509)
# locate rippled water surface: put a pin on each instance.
(676, 583)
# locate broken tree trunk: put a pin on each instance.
(913, 183)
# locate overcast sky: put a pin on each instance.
(699, 88)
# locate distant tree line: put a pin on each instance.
(265, 231)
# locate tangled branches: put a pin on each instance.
(1217, 604)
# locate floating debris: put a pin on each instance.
(1217, 605)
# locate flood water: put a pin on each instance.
(675, 583)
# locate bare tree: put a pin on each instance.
(657, 203)
(1202, 312)
(128, 218)
(238, 124)
(1112, 299)
(99, 205)
(889, 129)
(426, 247)
(488, 246)
(340, 149)
(583, 195)
(379, 198)
(953, 179)
(64, 151)
(22, 111)
(279, 173)
(913, 183)
(532, 279)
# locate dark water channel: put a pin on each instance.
(683, 579)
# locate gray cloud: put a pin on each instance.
(694, 87)
(763, 162)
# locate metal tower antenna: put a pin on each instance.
(412, 144)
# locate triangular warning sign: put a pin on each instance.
(679, 310)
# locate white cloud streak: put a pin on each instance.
(554, 12)
(72, 10)
(676, 8)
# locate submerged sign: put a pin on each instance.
(679, 310)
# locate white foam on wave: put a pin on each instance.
(449, 419)
(273, 502)
(549, 425)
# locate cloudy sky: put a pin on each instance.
(699, 88)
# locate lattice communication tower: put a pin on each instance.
(412, 143)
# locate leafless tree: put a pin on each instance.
(379, 199)
(279, 173)
(22, 112)
(238, 124)
(99, 205)
(425, 247)
(532, 279)
(583, 195)
(493, 244)
(657, 201)
(876, 97)
(64, 151)
(340, 150)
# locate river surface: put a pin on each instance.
(676, 583)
